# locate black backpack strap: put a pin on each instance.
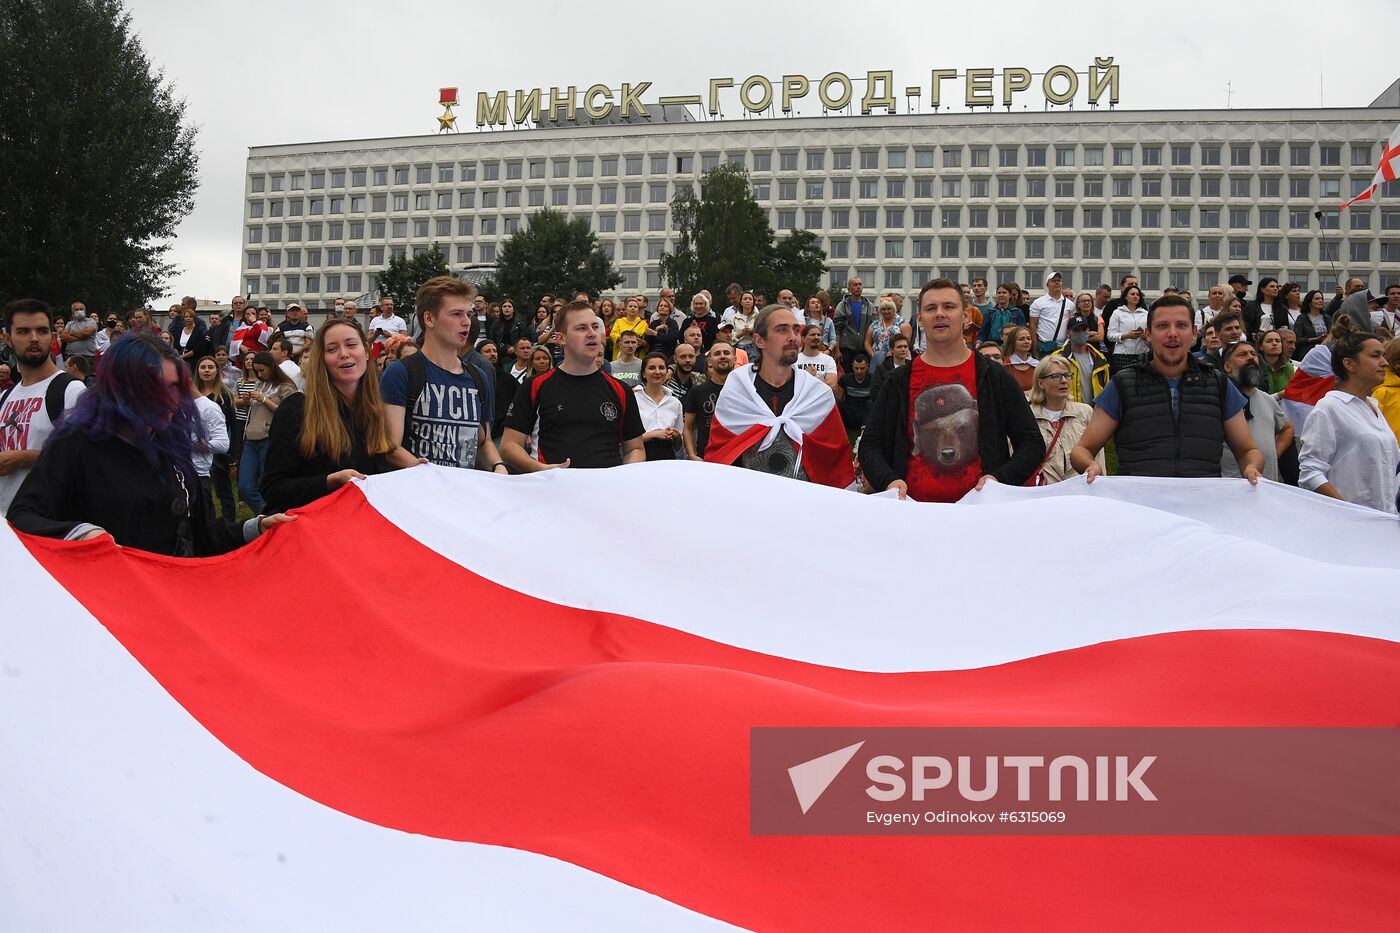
(485, 385)
(417, 382)
(53, 395)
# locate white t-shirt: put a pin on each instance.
(293, 372)
(216, 427)
(25, 425)
(1266, 317)
(1384, 317)
(1053, 316)
(390, 326)
(821, 365)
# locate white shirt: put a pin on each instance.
(216, 428)
(1384, 317)
(1052, 317)
(25, 425)
(1204, 315)
(391, 325)
(658, 416)
(820, 365)
(1266, 317)
(1123, 321)
(293, 372)
(1347, 442)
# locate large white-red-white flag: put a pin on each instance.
(445, 700)
(1387, 170)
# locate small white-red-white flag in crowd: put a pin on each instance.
(1387, 170)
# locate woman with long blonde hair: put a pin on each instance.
(336, 431)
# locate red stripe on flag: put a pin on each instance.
(449, 705)
(1306, 388)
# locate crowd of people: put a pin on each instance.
(153, 434)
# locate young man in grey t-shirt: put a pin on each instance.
(627, 369)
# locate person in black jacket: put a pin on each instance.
(121, 463)
(336, 431)
(968, 423)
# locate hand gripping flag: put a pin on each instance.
(1386, 171)
(469, 738)
(743, 421)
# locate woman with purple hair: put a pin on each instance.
(121, 463)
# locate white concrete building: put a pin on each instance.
(1181, 198)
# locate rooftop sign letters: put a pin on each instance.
(981, 87)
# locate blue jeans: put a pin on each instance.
(250, 469)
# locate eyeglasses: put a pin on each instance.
(1064, 376)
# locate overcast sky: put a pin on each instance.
(263, 72)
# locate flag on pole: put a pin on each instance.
(422, 725)
(1387, 170)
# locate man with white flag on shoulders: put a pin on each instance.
(778, 419)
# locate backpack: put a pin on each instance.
(417, 367)
(53, 395)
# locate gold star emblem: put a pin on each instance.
(447, 121)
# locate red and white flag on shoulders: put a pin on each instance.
(1387, 170)
(744, 421)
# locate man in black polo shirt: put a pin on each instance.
(586, 418)
(1169, 416)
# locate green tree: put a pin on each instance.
(552, 255)
(723, 236)
(681, 269)
(733, 241)
(798, 263)
(400, 279)
(97, 163)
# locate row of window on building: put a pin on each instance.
(1234, 249)
(885, 277)
(889, 218)
(828, 190)
(1203, 155)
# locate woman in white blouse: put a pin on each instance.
(663, 419)
(1347, 450)
(1126, 329)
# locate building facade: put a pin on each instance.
(1180, 198)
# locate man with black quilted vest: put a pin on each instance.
(1170, 415)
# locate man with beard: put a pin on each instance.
(41, 393)
(1169, 416)
(699, 402)
(683, 374)
(1267, 425)
(775, 418)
